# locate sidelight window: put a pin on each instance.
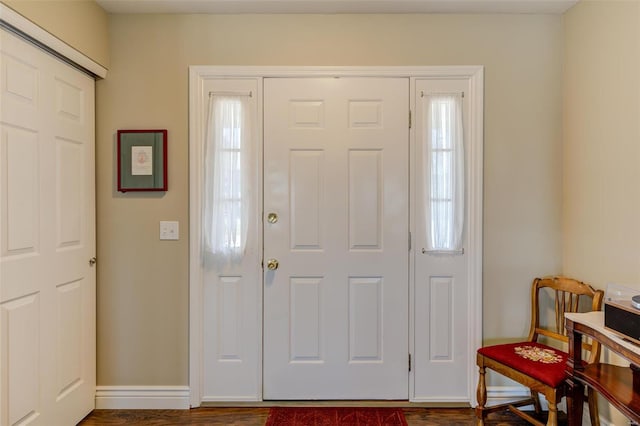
(444, 171)
(228, 152)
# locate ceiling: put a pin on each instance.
(337, 6)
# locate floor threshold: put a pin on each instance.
(337, 403)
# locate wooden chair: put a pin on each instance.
(538, 362)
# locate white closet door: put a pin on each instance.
(336, 175)
(47, 237)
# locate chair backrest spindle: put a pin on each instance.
(567, 295)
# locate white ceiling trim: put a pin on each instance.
(337, 6)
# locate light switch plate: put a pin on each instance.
(169, 230)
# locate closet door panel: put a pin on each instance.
(47, 236)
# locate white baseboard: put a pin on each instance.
(143, 397)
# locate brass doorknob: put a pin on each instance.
(272, 264)
(272, 218)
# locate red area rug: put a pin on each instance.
(341, 416)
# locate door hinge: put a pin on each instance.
(410, 119)
(409, 240)
(409, 362)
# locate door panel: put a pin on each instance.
(365, 202)
(336, 175)
(441, 298)
(47, 236)
(231, 293)
(21, 336)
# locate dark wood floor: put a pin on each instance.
(258, 417)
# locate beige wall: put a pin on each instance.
(143, 282)
(82, 24)
(602, 149)
(602, 146)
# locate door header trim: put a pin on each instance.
(222, 71)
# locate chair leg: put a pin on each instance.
(536, 401)
(552, 420)
(592, 397)
(481, 395)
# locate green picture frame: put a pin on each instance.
(142, 160)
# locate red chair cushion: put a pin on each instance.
(542, 362)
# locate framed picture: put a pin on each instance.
(142, 160)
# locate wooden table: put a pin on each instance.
(619, 385)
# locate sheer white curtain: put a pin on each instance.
(228, 177)
(444, 172)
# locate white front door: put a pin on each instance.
(336, 203)
(47, 237)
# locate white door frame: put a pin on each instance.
(475, 76)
